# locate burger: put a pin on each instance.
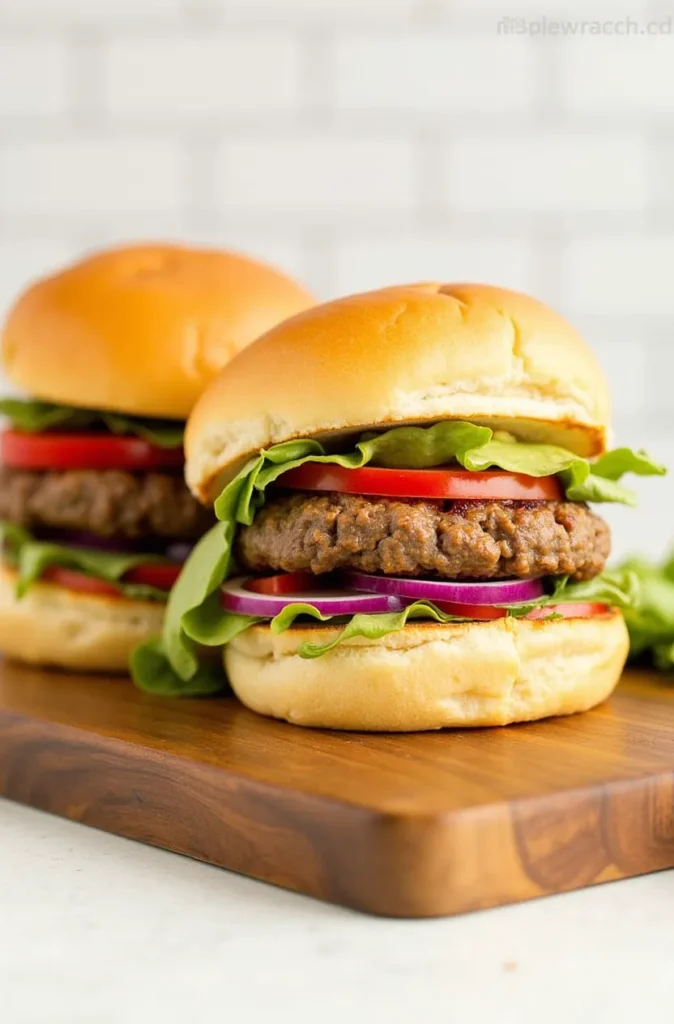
(112, 353)
(402, 481)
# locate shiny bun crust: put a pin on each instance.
(142, 329)
(410, 354)
(431, 676)
(59, 628)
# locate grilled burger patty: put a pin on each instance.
(110, 503)
(470, 539)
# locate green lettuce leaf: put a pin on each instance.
(149, 663)
(473, 447)
(34, 417)
(162, 433)
(202, 575)
(618, 588)
(13, 537)
(650, 620)
(425, 447)
(141, 591)
(582, 480)
(31, 557)
(663, 657)
(372, 627)
(211, 626)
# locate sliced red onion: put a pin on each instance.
(235, 598)
(176, 551)
(81, 539)
(179, 552)
(487, 592)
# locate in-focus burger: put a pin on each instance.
(112, 353)
(405, 482)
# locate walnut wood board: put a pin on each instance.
(407, 826)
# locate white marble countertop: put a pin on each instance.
(99, 930)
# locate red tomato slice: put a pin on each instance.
(283, 583)
(80, 582)
(162, 576)
(579, 610)
(458, 484)
(471, 611)
(84, 451)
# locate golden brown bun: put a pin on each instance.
(142, 329)
(410, 354)
(430, 676)
(56, 627)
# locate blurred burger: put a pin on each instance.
(403, 481)
(112, 352)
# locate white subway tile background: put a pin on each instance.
(362, 142)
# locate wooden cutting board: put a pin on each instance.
(407, 826)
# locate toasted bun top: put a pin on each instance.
(142, 329)
(410, 354)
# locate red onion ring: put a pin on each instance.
(235, 598)
(176, 551)
(82, 539)
(179, 551)
(486, 592)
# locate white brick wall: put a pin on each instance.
(247, 74)
(74, 177)
(621, 276)
(531, 172)
(92, 12)
(358, 142)
(620, 76)
(374, 11)
(33, 78)
(23, 260)
(315, 175)
(551, 8)
(374, 261)
(431, 72)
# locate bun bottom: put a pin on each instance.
(60, 628)
(431, 676)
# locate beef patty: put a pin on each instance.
(471, 539)
(110, 503)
